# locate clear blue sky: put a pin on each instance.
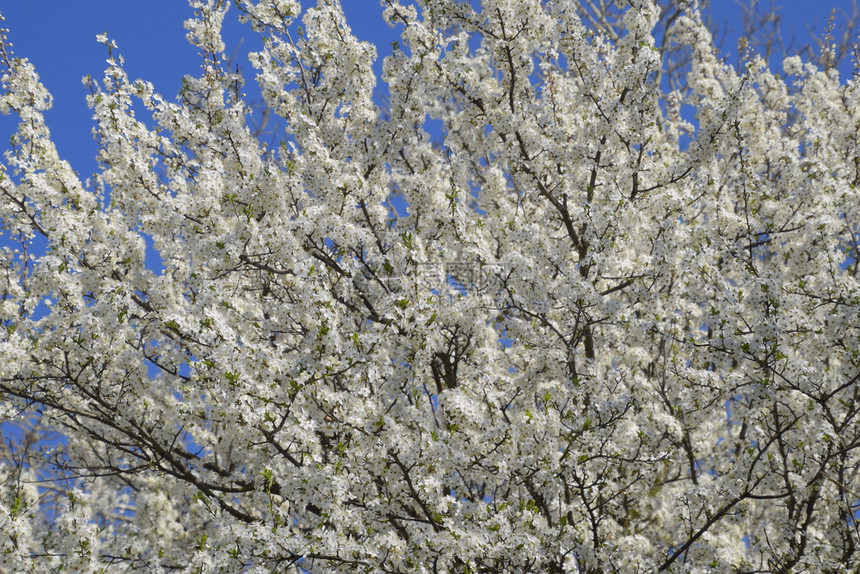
(58, 36)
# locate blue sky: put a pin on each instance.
(58, 36)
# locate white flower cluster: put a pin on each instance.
(608, 336)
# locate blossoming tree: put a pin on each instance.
(609, 335)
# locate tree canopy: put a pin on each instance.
(599, 321)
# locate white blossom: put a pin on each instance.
(608, 335)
